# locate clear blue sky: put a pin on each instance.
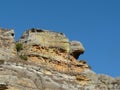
(96, 23)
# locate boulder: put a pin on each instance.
(76, 48)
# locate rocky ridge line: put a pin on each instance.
(47, 60)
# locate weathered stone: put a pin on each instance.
(51, 64)
(42, 46)
(37, 77)
(7, 44)
(76, 48)
(3, 82)
(45, 38)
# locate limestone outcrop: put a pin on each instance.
(45, 38)
(20, 75)
(46, 60)
(53, 49)
(76, 48)
(7, 44)
(50, 39)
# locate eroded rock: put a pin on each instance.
(45, 38)
(51, 64)
(76, 48)
(53, 48)
(7, 44)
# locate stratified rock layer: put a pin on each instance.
(43, 46)
(50, 39)
(45, 38)
(20, 75)
(51, 64)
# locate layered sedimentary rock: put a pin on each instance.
(45, 38)
(50, 39)
(7, 44)
(46, 60)
(53, 49)
(20, 75)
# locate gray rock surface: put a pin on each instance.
(47, 68)
(24, 76)
(76, 48)
(7, 44)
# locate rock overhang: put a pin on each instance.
(53, 40)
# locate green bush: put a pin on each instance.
(19, 46)
(2, 61)
(24, 57)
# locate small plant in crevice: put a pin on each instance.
(2, 62)
(23, 57)
(19, 47)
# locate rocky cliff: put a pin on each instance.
(7, 44)
(47, 60)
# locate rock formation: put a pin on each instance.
(51, 49)
(7, 44)
(76, 48)
(47, 60)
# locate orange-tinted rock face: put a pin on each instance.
(52, 49)
(54, 58)
(51, 39)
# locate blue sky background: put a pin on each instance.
(96, 23)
